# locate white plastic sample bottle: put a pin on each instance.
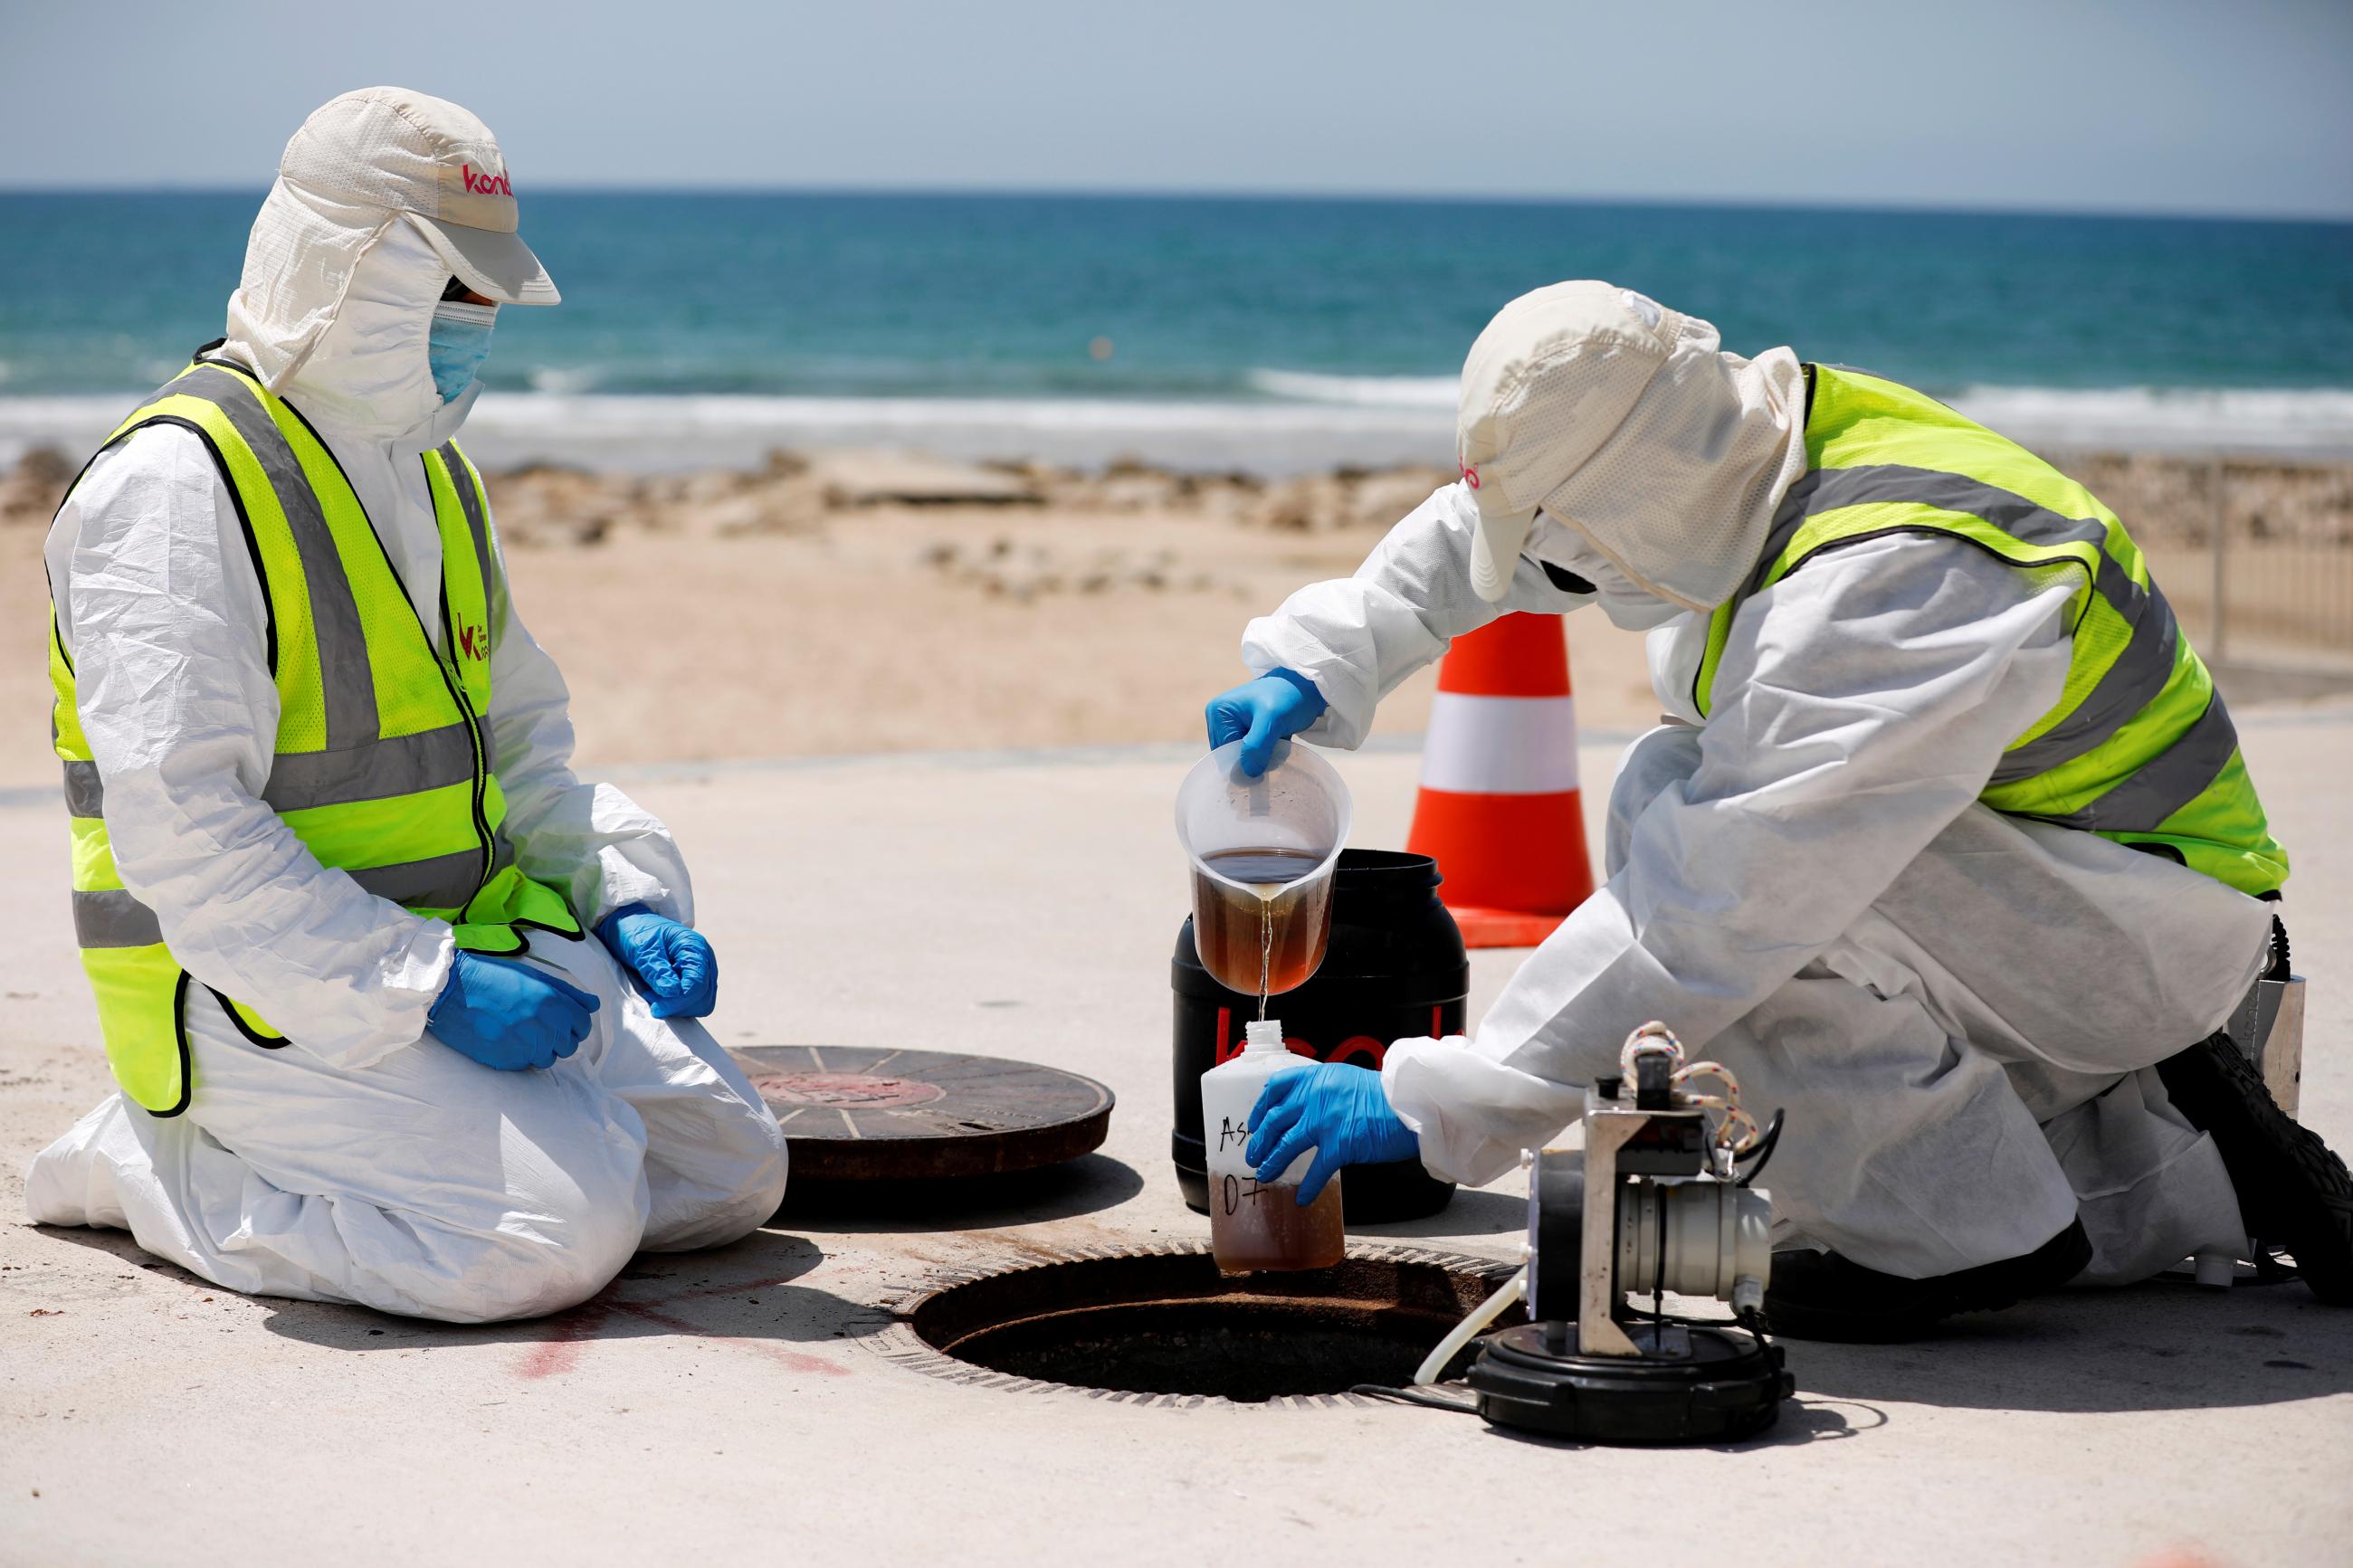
(1252, 1226)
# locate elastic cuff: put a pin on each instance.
(609, 916)
(619, 884)
(1400, 1056)
(1304, 684)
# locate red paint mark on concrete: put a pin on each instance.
(551, 1356)
(568, 1332)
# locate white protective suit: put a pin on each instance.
(1960, 1011)
(368, 1162)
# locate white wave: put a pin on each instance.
(76, 424)
(1360, 391)
(564, 381)
(739, 411)
(648, 432)
(2173, 419)
(654, 432)
(2138, 417)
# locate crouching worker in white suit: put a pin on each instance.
(1952, 855)
(401, 1012)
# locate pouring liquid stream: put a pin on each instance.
(1287, 931)
(1265, 946)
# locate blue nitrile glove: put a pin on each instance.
(1335, 1108)
(674, 961)
(509, 1016)
(1258, 714)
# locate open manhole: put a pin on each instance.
(1166, 1326)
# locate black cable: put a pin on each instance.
(1764, 1150)
(1658, 1279)
(1754, 1323)
(1682, 1321)
(1414, 1396)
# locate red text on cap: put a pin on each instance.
(484, 185)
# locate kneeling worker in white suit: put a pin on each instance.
(401, 1012)
(1952, 855)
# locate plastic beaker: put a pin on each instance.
(1263, 851)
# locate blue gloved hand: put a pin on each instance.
(1258, 714)
(1335, 1108)
(674, 961)
(509, 1016)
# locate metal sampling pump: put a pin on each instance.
(1660, 1199)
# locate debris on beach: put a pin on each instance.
(31, 492)
(1001, 569)
(2162, 497)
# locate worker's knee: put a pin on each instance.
(762, 1195)
(518, 1278)
(714, 1212)
(763, 1192)
(557, 1244)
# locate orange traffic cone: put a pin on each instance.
(1499, 806)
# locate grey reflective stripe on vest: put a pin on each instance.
(348, 682)
(402, 764)
(1797, 505)
(1833, 489)
(114, 918)
(443, 882)
(470, 501)
(85, 792)
(2166, 782)
(2128, 685)
(2140, 672)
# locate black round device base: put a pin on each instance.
(1691, 1383)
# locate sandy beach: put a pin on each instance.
(856, 601)
(850, 601)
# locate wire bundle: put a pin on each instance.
(1735, 1130)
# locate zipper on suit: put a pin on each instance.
(457, 685)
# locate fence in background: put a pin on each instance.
(2256, 554)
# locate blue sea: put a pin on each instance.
(1258, 332)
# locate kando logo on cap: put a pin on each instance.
(1469, 474)
(484, 185)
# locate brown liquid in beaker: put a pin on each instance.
(1254, 1227)
(1260, 930)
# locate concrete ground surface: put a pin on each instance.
(732, 1406)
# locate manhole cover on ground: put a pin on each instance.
(859, 1113)
(1164, 1326)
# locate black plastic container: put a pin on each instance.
(1395, 969)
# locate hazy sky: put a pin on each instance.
(2235, 105)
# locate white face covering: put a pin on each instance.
(1629, 426)
(350, 339)
(1626, 606)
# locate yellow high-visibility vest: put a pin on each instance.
(382, 765)
(2139, 747)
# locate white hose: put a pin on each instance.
(1463, 1332)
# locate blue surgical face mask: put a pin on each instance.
(458, 344)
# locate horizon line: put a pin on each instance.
(1792, 204)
